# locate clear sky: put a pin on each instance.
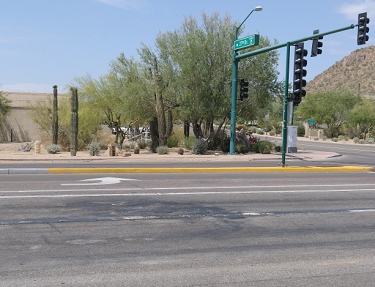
(48, 42)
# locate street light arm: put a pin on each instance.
(238, 28)
(258, 8)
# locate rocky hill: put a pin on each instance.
(355, 72)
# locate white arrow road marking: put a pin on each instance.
(102, 181)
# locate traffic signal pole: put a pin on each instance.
(238, 57)
(285, 112)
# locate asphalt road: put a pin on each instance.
(187, 230)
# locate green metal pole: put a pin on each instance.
(285, 114)
(270, 48)
(232, 143)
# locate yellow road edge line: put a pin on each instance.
(212, 169)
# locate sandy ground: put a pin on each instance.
(15, 152)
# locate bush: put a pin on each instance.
(142, 144)
(277, 148)
(53, 148)
(136, 150)
(188, 142)
(340, 137)
(324, 138)
(240, 148)
(300, 131)
(263, 147)
(172, 141)
(260, 132)
(361, 141)
(225, 144)
(356, 139)
(370, 140)
(199, 146)
(316, 138)
(163, 149)
(335, 139)
(94, 148)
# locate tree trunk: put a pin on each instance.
(186, 129)
(159, 106)
(55, 120)
(74, 122)
(154, 134)
(197, 129)
(169, 128)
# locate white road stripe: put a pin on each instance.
(182, 193)
(198, 188)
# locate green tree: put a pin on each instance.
(331, 108)
(5, 107)
(196, 63)
(362, 117)
(122, 97)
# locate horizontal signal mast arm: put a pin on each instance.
(270, 48)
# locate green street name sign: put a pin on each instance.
(252, 40)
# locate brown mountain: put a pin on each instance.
(355, 72)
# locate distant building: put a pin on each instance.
(18, 125)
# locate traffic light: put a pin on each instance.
(244, 89)
(299, 72)
(316, 44)
(362, 28)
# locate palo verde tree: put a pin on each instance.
(331, 108)
(121, 98)
(196, 61)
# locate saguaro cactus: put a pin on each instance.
(74, 122)
(55, 119)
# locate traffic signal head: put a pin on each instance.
(316, 45)
(362, 37)
(244, 89)
(299, 72)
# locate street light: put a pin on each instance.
(232, 144)
(256, 9)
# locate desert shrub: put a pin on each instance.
(272, 133)
(53, 148)
(172, 141)
(370, 140)
(225, 144)
(356, 139)
(260, 132)
(316, 138)
(142, 144)
(188, 142)
(361, 141)
(335, 139)
(300, 130)
(163, 149)
(340, 137)
(180, 151)
(136, 150)
(264, 147)
(94, 148)
(324, 138)
(240, 148)
(199, 146)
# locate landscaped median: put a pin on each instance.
(213, 169)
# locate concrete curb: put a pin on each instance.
(213, 169)
(187, 170)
